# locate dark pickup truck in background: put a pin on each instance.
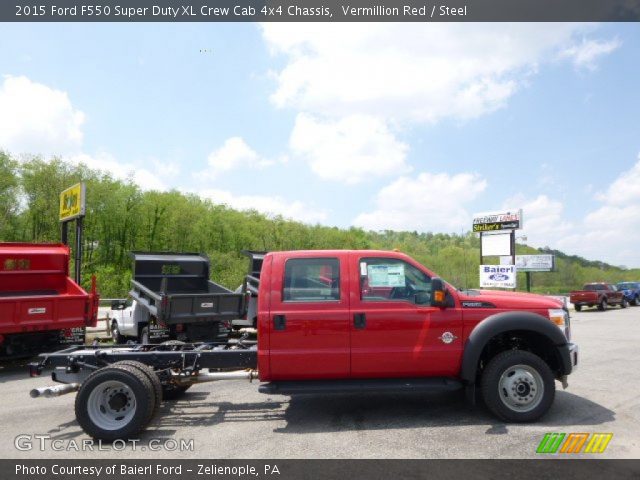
(176, 300)
(599, 295)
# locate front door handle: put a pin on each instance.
(279, 322)
(359, 320)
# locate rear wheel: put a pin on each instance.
(151, 375)
(115, 402)
(518, 386)
(624, 303)
(578, 308)
(603, 305)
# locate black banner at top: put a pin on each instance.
(319, 11)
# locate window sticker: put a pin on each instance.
(363, 269)
(386, 275)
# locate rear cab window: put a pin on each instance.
(311, 280)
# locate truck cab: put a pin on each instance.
(356, 315)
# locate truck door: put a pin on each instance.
(395, 332)
(309, 318)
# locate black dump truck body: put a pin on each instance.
(182, 303)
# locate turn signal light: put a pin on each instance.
(438, 296)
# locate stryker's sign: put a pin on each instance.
(495, 221)
(498, 276)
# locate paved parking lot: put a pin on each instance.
(232, 420)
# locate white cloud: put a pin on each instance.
(413, 71)
(106, 162)
(234, 153)
(270, 205)
(349, 150)
(586, 53)
(428, 202)
(37, 119)
(544, 224)
(610, 232)
(625, 189)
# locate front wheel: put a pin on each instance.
(636, 301)
(518, 386)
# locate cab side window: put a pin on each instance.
(390, 279)
(311, 280)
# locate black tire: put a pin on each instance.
(497, 374)
(636, 301)
(115, 333)
(140, 389)
(624, 303)
(578, 308)
(144, 336)
(151, 375)
(603, 305)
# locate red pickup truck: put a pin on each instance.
(40, 306)
(599, 295)
(343, 321)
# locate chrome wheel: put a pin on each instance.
(521, 388)
(111, 405)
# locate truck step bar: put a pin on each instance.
(389, 385)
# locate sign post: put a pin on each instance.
(72, 207)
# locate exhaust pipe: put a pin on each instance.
(54, 391)
(215, 376)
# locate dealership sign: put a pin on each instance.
(72, 202)
(495, 221)
(532, 263)
(497, 276)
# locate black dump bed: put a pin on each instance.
(175, 287)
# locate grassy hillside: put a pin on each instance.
(121, 218)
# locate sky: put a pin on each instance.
(381, 126)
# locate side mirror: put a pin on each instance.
(438, 293)
(118, 304)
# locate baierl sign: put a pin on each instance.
(498, 276)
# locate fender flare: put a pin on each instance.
(501, 323)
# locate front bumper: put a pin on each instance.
(569, 353)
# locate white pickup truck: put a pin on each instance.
(128, 322)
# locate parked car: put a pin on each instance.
(342, 321)
(600, 295)
(631, 291)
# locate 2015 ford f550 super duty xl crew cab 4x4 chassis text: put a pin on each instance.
(341, 321)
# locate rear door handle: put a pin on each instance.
(279, 322)
(359, 320)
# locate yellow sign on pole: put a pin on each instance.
(72, 202)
